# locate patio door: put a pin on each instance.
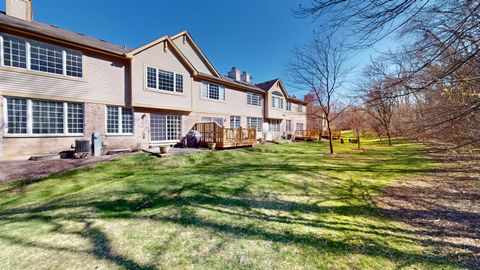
(165, 128)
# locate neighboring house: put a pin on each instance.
(57, 86)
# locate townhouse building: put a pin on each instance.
(57, 86)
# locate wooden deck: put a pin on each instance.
(226, 137)
(315, 135)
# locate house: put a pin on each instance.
(58, 86)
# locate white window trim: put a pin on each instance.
(208, 94)
(166, 128)
(120, 122)
(260, 100)
(1, 51)
(30, 133)
(156, 81)
(28, 58)
(279, 122)
(239, 121)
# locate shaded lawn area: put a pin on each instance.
(286, 206)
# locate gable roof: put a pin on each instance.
(58, 34)
(266, 86)
(197, 50)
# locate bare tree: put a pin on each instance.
(319, 66)
(357, 120)
(440, 41)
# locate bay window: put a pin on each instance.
(41, 117)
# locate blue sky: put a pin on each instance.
(253, 35)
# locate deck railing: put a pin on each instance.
(225, 137)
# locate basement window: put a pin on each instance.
(32, 117)
(119, 120)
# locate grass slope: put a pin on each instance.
(286, 206)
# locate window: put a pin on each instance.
(235, 121)
(41, 117)
(213, 91)
(151, 78)
(213, 119)
(164, 80)
(16, 116)
(277, 100)
(38, 56)
(254, 99)
(165, 127)
(274, 125)
(254, 122)
(289, 106)
(74, 64)
(119, 120)
(14, 52)
(299, 126)
(47, 117)
(179, 83)
(46, 58)
(288, 125)
(75, 118)
(300, 108)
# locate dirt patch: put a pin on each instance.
(11, 171)
(443, 206)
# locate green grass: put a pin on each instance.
(288, 206)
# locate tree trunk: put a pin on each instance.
(358, 141)
(330, 137)
(389, 137)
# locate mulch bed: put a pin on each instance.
(11, 171)
(443, 207)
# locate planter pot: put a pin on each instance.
(164, 149)
(212, 146)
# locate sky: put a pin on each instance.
(253, 35)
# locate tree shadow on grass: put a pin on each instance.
(249, 216)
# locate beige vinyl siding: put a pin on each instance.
(191, 55)
(275, 113)
(105, 80)
(157, 57)
(235, 103)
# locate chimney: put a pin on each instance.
(21, 9)
(234, 74)
(246, 76)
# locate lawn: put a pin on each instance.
(289, 206)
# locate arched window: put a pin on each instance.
(277, 100)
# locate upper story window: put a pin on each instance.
(41, 117)
(164, 80)
(213, 91)
(277, 100)
(254, 99)
(289, 106)
(300, 108)
(119, 120)
(38, 56)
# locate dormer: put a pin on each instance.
(21, 9)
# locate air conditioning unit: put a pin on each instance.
(82, 148)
